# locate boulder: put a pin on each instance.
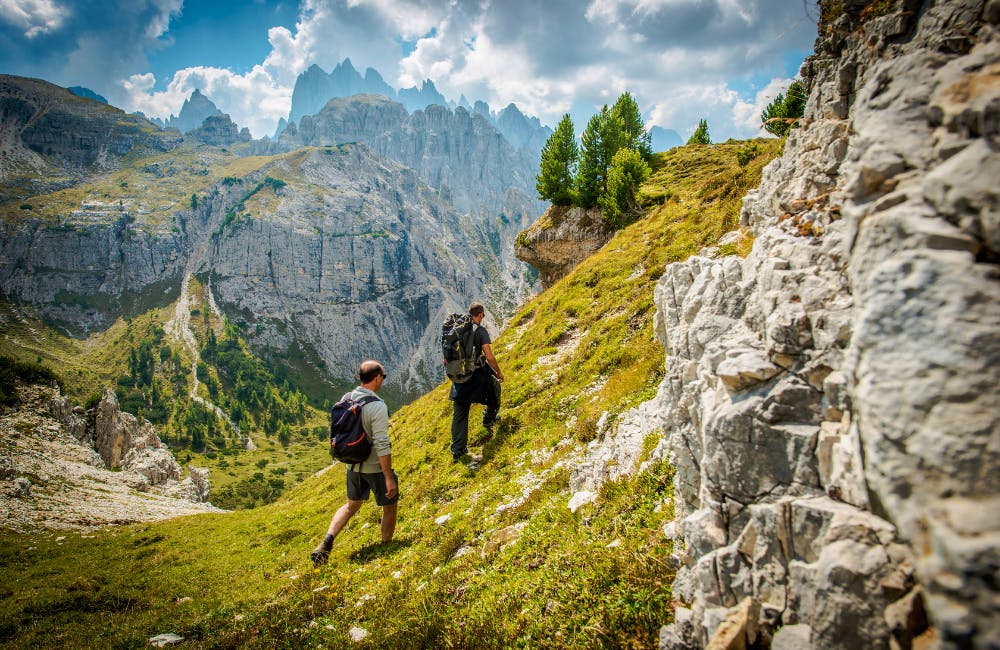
(560, 239)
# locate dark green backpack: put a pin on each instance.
(458, 347)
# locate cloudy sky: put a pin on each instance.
(682, 59)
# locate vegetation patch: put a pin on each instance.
(483, 556)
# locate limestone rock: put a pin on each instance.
(23, 486)
(793, 637)
(195, 110)
(561, 239)
(71, 488)
(8, 471)
(739, 629)
(72, 417)
(168, 638)
(853, 369)
(503, 537)
(220, 130)
(580, 499)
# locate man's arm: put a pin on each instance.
(379, 424)
(492, 360)
(390, 482)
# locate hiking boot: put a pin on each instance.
(490, 425)
(320, 555)
(470, 461)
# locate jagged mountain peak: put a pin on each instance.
(194, 111)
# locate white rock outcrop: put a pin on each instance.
(70, 487)
(831, 401)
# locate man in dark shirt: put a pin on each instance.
(482, 388)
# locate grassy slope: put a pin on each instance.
(598, 577)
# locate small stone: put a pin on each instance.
(792, 637)
(23, 486)
(442, 520)
(580, 499)
(357, 634)
(168, 638)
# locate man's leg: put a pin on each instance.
(492, 404)
(342, 516)
(340, 519)
(459, 429)
(388, 521)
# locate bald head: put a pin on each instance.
(370, 371)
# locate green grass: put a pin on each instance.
(595, 578)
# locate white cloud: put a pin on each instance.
(253, 100)
(681, 59)
(36, 17)
(408, 19)
(747, 115)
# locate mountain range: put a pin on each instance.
(342, 237)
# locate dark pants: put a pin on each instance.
(460, 417)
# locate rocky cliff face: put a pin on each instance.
(85, 272)
(461, 155)
(354, 256)
(561, 239)
(50, 138)
(830, 402)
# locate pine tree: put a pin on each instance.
(627, 172)
(790, 104)
(700, 135)
(601, 140)
(634, 129)
(558, 165)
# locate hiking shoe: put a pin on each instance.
(470, 461)
(320, 555)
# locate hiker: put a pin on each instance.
(482, 388)
(375, 473)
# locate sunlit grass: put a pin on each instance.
(511, 566)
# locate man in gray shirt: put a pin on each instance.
(374, 474)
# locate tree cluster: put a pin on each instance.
(700, 135)
(779, 116)
(605, 169)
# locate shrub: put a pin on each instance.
(747, 152)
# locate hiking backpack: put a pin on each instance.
(348, 441)
(458, 347)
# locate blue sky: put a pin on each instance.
(682, 59)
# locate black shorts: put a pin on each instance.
(359, 486)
